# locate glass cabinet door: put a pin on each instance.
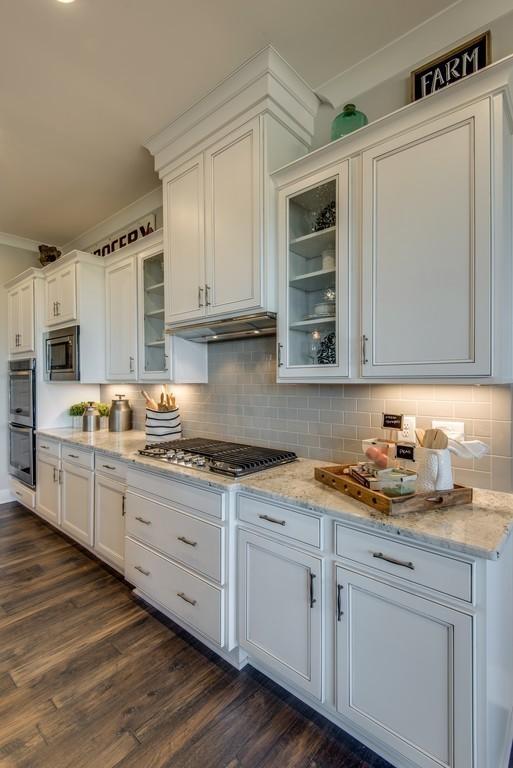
(316, 279)
(154, 352)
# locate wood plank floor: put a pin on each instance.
(90, 679)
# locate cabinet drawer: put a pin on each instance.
(24, 495)
(182, 495)
(109, 466)
(49, 447)
(280, 520)
(187, 596)
(78, 456)
(194, 542)
(443, 574)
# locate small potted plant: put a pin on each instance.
(77, 410)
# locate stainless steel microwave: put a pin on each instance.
(62, 354)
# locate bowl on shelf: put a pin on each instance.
(324, 309)
(328, 258)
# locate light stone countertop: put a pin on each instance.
(480, 529)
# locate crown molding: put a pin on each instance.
(266, 82)
(422, 43)
(15, 241)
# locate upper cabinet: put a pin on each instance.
(314, 275)
(20, 302)
(426, 250)
(215, 162)
(394, 245)
(61, 295)
(138, 347)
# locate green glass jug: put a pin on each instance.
(347, 121)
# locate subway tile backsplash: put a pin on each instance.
(328, 421)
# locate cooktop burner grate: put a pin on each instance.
(234, 459)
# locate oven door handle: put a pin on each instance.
(19, 429)
(21, 374)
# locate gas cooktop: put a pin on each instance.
(233, 459)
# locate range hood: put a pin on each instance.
(243, 327)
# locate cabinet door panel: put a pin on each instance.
(184, 242)
(67, 295)
(78, 503)
(426, 250)
(48, 489)
(26, 318)
(404, 671)
(13, 310)
(121, 321)
(233, 222)
(109, 520)
(280, 626)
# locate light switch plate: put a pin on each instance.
(453, 429)
(407, 433)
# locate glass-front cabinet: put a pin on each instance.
(154, 344)
(313, 333)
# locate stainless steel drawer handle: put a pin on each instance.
(187, 541)
(272, 520)
(402, 563)
(108, 466)
(73, 456)
(46, 447)
(184, 597)
(19, 494)
(340, 612)
(142, 520)
(141, 570)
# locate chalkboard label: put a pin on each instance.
(392, 421)
(405, 451)
(451, 67)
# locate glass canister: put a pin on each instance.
(347, 121)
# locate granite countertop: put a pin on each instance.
(480, 529)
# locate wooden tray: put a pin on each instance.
(398, 505)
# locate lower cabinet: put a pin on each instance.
(77, 500)
(404, 670)
(109, 522)
(280, 610)
(48, 492)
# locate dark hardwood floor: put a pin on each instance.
(90, 679)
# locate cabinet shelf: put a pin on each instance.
(159, 343)
(306, 325)
(154, 287)
(314, 281)
(310, 246)
(155, 313)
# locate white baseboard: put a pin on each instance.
(6, 496)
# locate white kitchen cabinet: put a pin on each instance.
(404, 671)
(61, 296)
(109, 520)
(280, 610)
(20, 303)
(313, 232)
(121, 305)
(48, 489)
(184, 245)
(426, 249)
(233, 222)
(77, 503)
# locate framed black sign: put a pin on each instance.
(451, 67)
(392, 421)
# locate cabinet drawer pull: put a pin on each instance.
(365, 359)
(132, 362)
(200, 296)
(141, 570)
(19, 494)
(184, 597)
(280, 361)
(46, 447)
(312, 598)
(123, 506)
(272, 520)
(108, 466)
(207, 296)
(142, 520)
(402, 563)
(187, 541)
(73, 456)
(340, 612)
(55, 475)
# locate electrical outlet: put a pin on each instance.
(407, 433)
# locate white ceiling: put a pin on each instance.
(84, 84)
